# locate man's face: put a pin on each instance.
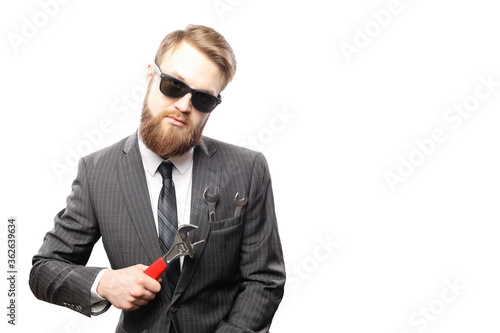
(171, 126)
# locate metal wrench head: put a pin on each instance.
(211, 198)
(240, 202)
(182, 245)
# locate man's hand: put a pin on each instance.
(128, 288)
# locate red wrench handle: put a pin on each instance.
(156, 269)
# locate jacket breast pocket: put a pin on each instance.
(227, 223)
(223, 249)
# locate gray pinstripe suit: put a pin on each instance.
(233, 284)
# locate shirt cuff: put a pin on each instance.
(98, 304)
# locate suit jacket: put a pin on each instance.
(233, 284)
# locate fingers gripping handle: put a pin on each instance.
(156, 269)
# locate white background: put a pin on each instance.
(361, 256)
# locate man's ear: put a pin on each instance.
(149, 73)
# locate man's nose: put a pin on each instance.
(183, 104)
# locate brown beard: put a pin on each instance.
(165, 139)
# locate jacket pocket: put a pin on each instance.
(222, 250)
(223, 224)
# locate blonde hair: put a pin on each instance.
(207, 41)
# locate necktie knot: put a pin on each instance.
(165, 170)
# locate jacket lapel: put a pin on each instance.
(206, 172)
(132, 181)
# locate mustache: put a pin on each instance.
(173, 114)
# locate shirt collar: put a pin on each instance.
(152, 161)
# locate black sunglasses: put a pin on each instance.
(175, 88)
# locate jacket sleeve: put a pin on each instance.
(59, 275)
(261, 262)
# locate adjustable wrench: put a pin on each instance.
(240, 203)
(211, 200)
(182, 246)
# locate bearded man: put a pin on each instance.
(235, 281)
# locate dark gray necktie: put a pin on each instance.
(167, 221)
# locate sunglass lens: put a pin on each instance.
(204, 102)
(172, 87)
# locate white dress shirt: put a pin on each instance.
(181, 175)
(182, 178)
